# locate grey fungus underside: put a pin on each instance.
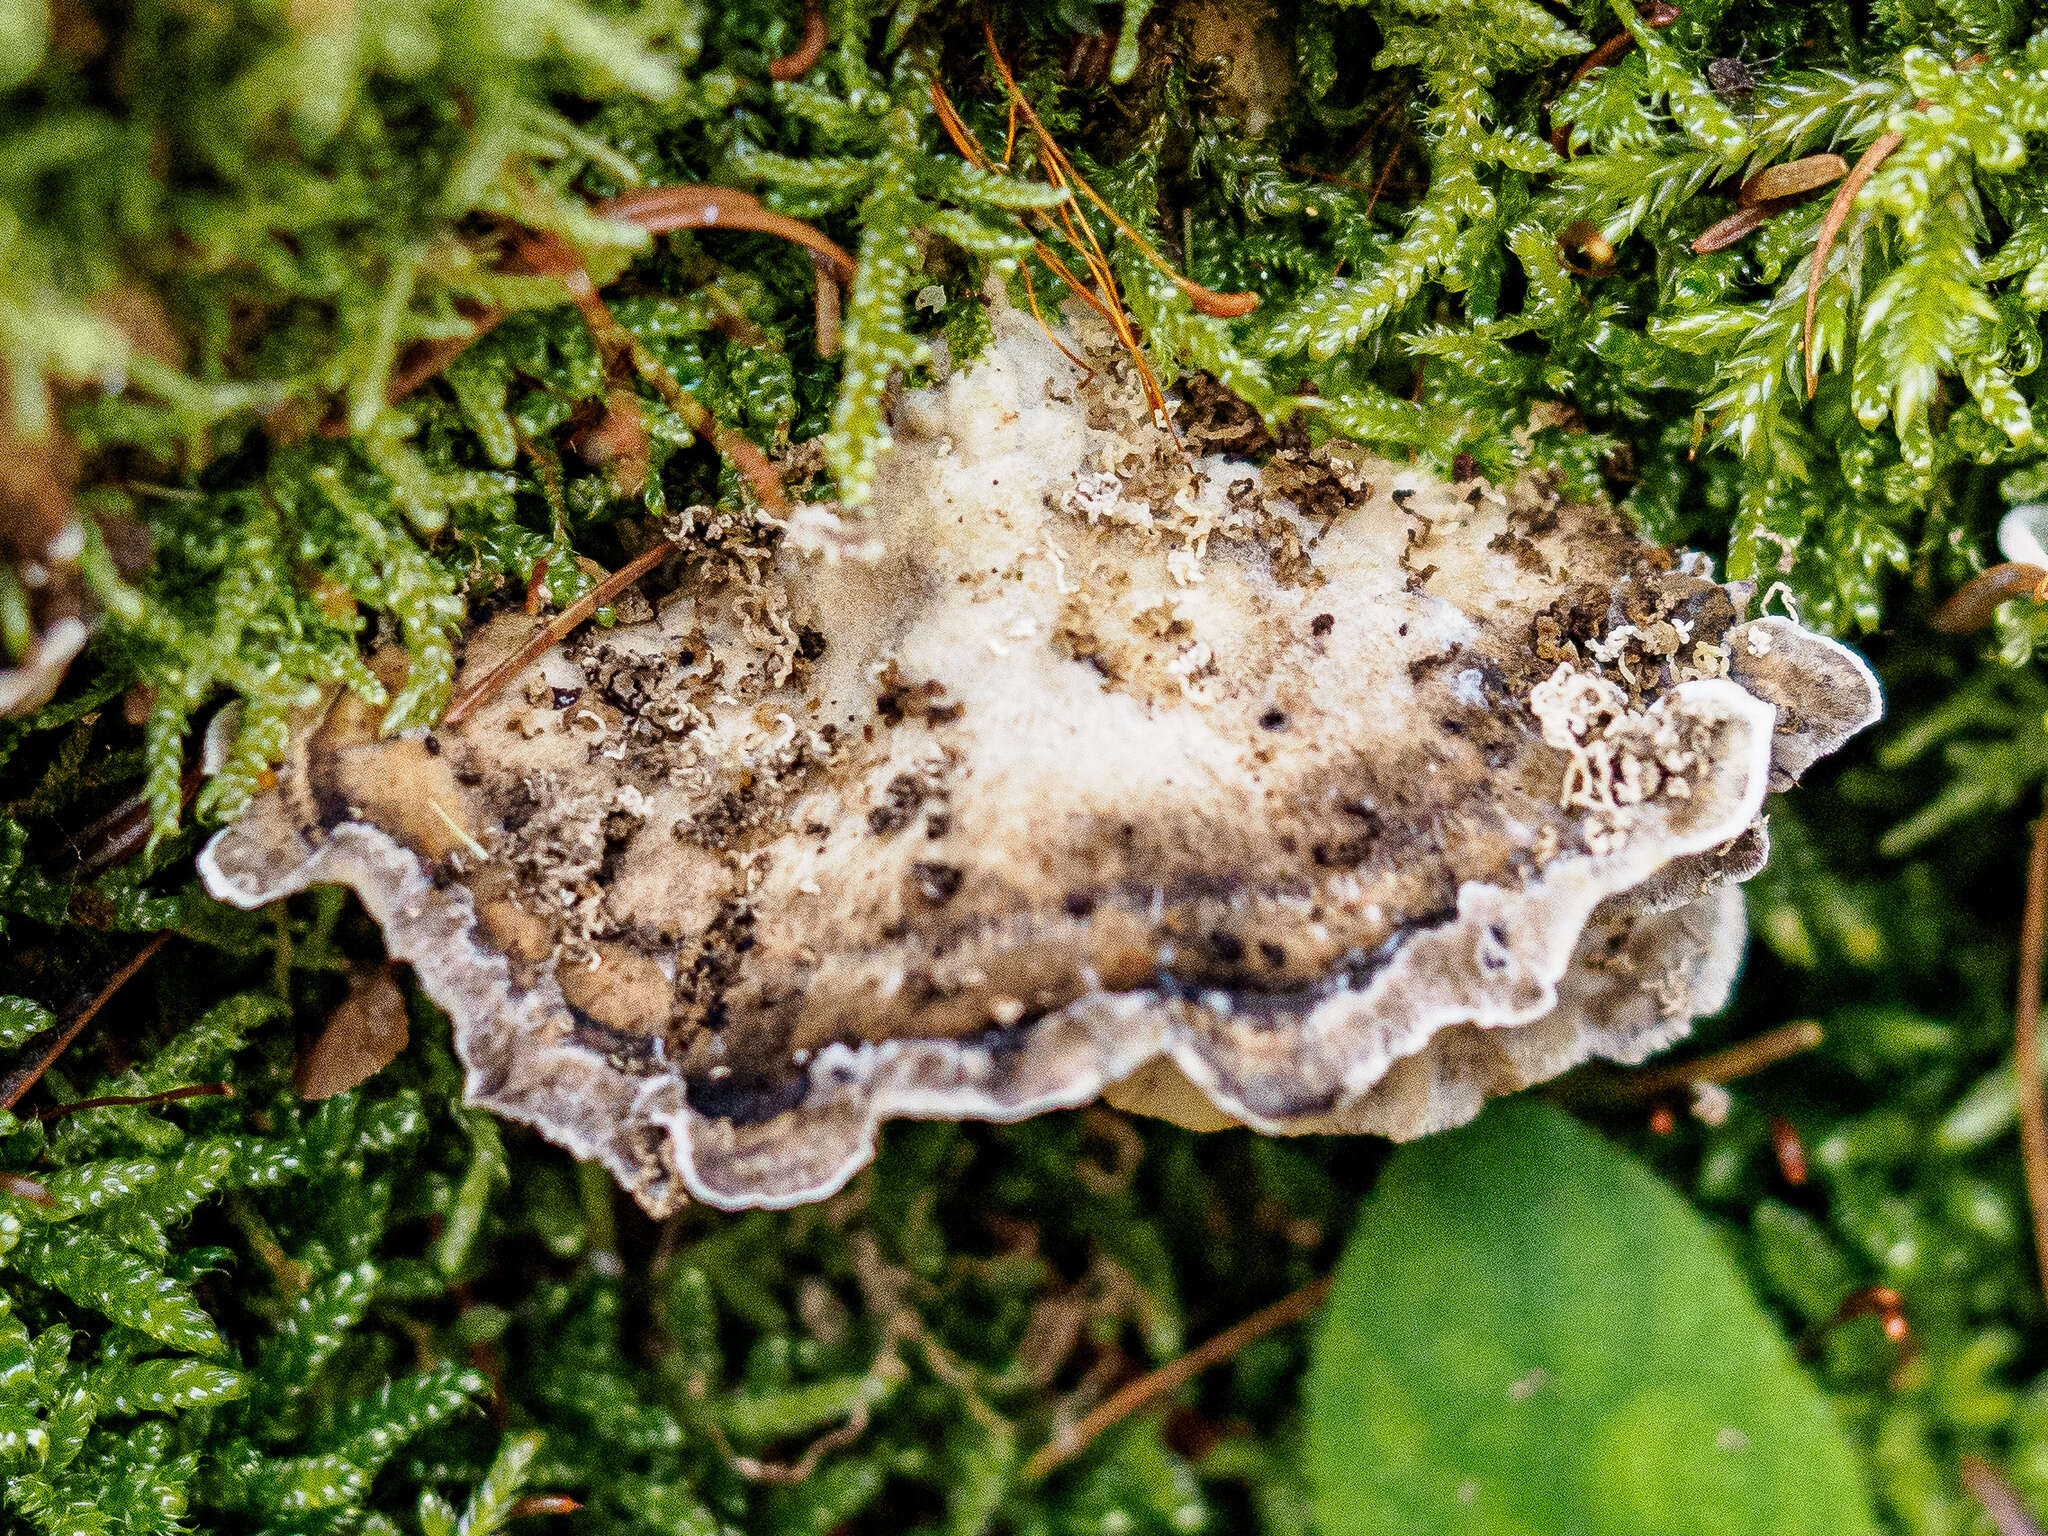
(1323, 797)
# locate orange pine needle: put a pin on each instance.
(695, 205)
(1100, 293)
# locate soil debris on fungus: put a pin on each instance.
(1096, 769)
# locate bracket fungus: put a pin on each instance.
(1323, 796)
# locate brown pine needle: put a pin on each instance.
(1147, 1389)
(18, 1083)
(809, 49)
(121, 1100)
(1100, 293)
(695, 205)
(553, 631)
(1838, 215)
(2026, 1048)
(1742, 1059)
(1031, 298)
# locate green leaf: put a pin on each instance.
(1530, 1333)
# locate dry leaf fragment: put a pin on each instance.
(361, 1037)
(1097, 766)
(1793, 178)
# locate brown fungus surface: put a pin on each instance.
(1329, 796)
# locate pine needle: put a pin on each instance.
(1838, 214)
(16, 1085)
(552, 632)
(1147, 1389)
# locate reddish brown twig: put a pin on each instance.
(809, 49)
(1061, 172)
(1725, 1066)
(553, 631)
(1147, 1389)
(423, 360)
(655, 209)
(660, 210)
(17, 1083)
(1975, 603)
(1658, 15)
(2000, 1500)
(1838, 214)
(124, 1100)
(546, 254)
(2026, 1049)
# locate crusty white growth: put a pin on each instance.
(1327, 796)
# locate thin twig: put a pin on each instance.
(1838, 215)
(1228, 306)
(557, 627)
(17, 1084)
(120, 1100)
(695, 205)
(120, 834)
(2001, 1501)
(2026, 1046)
(1742, 1059)
(1147, 1389)
(1393, 159)
(1657, 16)
(545, 254)
(421, 361)
(755, 1470)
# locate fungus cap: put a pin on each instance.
(1327, 796)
